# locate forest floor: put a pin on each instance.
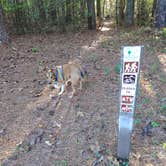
(51, 130)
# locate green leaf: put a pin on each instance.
(146, 100)
(107, 71)
(93, 58)
(97, 155)
(117, 68)
(163, 108)
(34, 50)
(154, 68)
(163, 99)
(111, 163)
(61, 163)
(77, 141)
(138, 121)
(155, 124)
(124, 163)
(164, 50)
(164, 32)
(164, 145)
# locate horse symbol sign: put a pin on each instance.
(129, 78)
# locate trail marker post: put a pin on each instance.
(130, 60)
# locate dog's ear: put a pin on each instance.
(51, 70)
(45, 69)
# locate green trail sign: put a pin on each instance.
(130, 60)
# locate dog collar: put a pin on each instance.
(59, 73)
(56, 75)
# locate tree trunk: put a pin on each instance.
(98, 18)
(129, 17)
(68, 11)
(91, 14)
(52, 11)
(98, 8)
(161, 14)
(18, 21)
(82, 8)
(116, 12)
(42, 12)
(154, 7)
(62, 18)
(73, 8)
(121, 12)
(3, 34)
(104, 8)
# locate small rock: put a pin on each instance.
(56, 124)
(146, 127)
(53, 97)
(2, 132)
(77, 105)
(98, 161)
(84, 154)
(42, 82)
(95, 148)
(42, 107)
(162, 118)
(97, 66)
(80, 114)
(51, 113)
(34, 80)
(25, 147)
(20, 89)
(48, 143)
(38, 94)
(11, 90)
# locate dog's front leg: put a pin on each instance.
(62, 89)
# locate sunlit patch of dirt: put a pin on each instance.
(162, 59)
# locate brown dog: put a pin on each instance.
(70, 73)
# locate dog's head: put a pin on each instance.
(50, 74)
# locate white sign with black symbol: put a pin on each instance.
(131, 67)
(129, 82)
(129, 79)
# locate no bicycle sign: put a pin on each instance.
(130, 60)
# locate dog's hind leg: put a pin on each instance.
(73, 92)
(80, 84)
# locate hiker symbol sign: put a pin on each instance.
(131, 57)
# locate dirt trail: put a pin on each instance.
(50, 130)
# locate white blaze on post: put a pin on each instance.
(131, 56)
